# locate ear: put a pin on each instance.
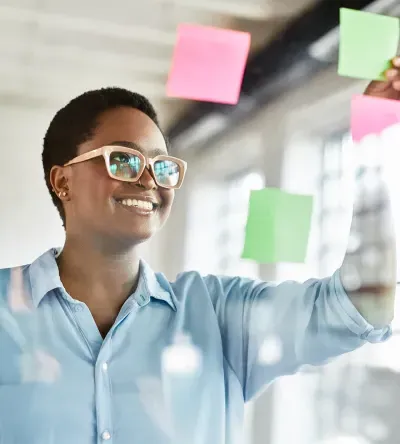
(59, 179)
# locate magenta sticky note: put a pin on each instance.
(371, 115)
(208, 64)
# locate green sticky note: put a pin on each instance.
(278, 226)
(368, 43)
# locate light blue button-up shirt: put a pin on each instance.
(61, 383)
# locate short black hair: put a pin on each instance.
(75, 124)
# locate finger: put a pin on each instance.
(396, 85)
(377, 87)
(396, 62)
(392, 74)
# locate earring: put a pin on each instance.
(62, 193)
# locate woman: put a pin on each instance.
(83, 330)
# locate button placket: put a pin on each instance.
(103, 391)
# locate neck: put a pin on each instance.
(94, 273)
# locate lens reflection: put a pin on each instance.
(167, 172)
(124, 165)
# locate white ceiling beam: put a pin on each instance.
(34, 76)
(102, 59)
(71, 83)
(93, 26)
(244, 10)
(84, 58)
(51, 102)
(240, 8)
(24, 99)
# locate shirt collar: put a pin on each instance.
(155, 285)
(45, 277)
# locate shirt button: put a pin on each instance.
(141, 300)
(106, 435)
(78, 308)
(105, 366)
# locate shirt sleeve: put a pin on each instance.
(312, 321)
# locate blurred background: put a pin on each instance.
(289, 130)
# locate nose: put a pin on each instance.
(146, 180)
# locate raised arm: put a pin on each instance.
(319, 319)
(369, 268)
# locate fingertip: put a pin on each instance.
(396, 62)
(396, 85)
(391, 73)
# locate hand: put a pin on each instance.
(389, 89)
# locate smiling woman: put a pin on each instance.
(101, 322)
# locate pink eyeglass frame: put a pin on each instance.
(146, 162)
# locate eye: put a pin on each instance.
(122, 158)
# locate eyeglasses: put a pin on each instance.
(128, 165)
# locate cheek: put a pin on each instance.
(92, 186)
(168, 197)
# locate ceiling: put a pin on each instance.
(53, 50)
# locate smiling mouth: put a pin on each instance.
(137, 205)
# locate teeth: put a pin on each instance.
(143, 204)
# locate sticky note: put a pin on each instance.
(208, 64)
(368, 43)
(371, 115)
(278, 226)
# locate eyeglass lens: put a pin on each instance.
(127, 166)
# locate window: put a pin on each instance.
(216, 225)
(335, 204)
(353, 395)
(232, 223)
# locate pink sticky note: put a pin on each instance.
(208, 64)
(371, 115)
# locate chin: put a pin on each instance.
(142, 237)
(134, 229)
(137, 235)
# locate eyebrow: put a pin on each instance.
(151, 153)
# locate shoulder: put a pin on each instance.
(5, 274)
(193, 283)
(194, 279)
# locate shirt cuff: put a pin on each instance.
(352, 318)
